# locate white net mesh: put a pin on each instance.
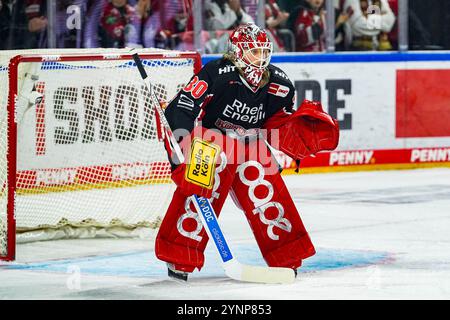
(87, 151)
(3, 149)
(3, 237)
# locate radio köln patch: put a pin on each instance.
(202, 165)
(278, 90)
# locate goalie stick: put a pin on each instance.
(232, 267)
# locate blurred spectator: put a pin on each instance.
(288, 5)
(148, 23)
(141, 27)
(222, 15)
(176, 25)
(275, 19)
(361, 32)
(95, 9)
(251, 8)
(393, 34)
(37, 25)
(118, 24)
(307, 21)
(429, 25)
(225, 14)
(67, 36)
(144, 8)
(341, 18)
(14, 33)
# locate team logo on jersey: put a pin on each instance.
(278, 90)
(226, 69)
(237, 130)
(239, 111)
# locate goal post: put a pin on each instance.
(80, 152)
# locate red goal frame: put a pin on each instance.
(11, 153)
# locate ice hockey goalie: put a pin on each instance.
(235, 99)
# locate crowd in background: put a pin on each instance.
(293, 25)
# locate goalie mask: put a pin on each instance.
(251, 51)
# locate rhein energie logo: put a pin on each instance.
(241, 112)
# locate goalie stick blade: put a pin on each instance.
(258, 274)
(232, 267)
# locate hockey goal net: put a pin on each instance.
(80, 154)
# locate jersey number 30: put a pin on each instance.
(196, 88)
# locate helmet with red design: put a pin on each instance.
(251, 50)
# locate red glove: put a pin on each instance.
(305, 132)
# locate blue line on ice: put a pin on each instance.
(145, 264)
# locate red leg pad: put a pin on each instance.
(270, 210)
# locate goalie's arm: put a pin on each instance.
(188, 104)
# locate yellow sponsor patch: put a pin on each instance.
(202, 165)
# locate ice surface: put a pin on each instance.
(378, 235)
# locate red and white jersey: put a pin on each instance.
(358, 21)
(220, 98)
(304, 36)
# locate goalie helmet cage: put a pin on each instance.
(80, 149)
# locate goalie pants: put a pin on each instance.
(257, 188)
